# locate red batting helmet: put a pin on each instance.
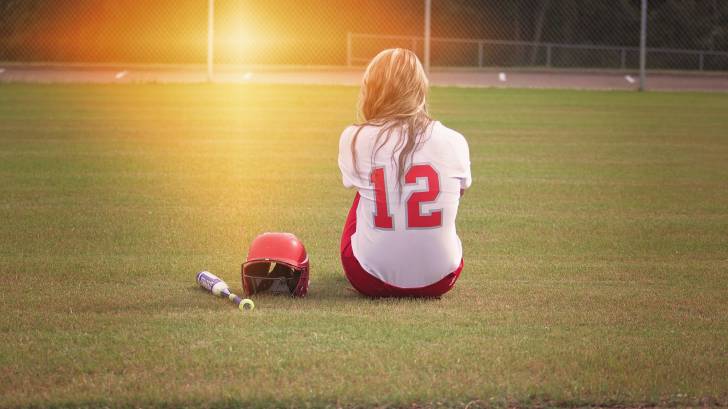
(276, 262)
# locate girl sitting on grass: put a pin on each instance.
(409, 171)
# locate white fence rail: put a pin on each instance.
(549, 55)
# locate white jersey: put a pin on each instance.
(406, 237)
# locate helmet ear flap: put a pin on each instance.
(302, 288)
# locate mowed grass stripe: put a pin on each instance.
(595, 251)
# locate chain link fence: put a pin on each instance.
(549, 34)
(578, 34)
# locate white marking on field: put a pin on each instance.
(629, 79)
(502, 77)
(2, 70)
(247, 76)
(121, 74)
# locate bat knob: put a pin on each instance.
(246, 305)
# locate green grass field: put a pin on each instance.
(595, 235)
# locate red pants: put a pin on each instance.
(371, 286)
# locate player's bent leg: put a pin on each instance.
(351, 266)
(349, 225)
(359, 278)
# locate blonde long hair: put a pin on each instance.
(393, 96)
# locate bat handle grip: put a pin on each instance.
(242, 303)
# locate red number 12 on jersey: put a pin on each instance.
(415, 218)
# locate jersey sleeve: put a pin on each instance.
(462, 161)
(346, 165)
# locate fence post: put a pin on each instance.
(701, 61)
(623, 58)
(643, 46)
(428, 17)
(210, 38)
(548, 56)
(348, 48)
(480, 54)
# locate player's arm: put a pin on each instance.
(346, 165)
(462, 162)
